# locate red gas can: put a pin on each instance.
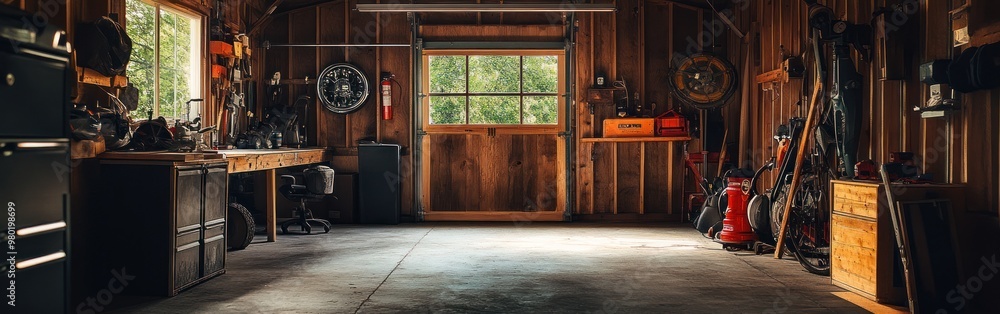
(736, 228)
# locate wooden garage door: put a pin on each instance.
(492, 147)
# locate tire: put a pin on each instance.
(815, 259)
(239, 227)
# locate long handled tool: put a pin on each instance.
(898, 228)
(799, 158)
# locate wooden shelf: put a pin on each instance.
(92, 77)
(633, 139)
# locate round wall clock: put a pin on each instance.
(704, 81)
(342, 88)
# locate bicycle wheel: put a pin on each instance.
(807, 231)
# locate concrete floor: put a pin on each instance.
(503, 267)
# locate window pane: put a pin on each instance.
(141, 20)
(176, 57)
(494, 110)
(447, 74)
(494, 74)
(447, 109)
(541, 109)
(541, 74)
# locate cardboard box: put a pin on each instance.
(629, 127)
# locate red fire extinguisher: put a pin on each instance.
(386, 96)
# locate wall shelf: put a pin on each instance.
(634, 139)
(93, 77)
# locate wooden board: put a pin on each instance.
(605, 173)
(629, 176)
(537, 33)
(364, 28)
(657, 185)
(242, 160)
(331, 128)
(504, 173)
(634, 139)
(162, 156)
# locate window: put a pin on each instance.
(494, 89)
(166, 59)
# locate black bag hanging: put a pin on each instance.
(103, 46)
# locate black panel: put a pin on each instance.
(35, 180)
(216, 193)
(40, 289)
(187, 263)
(378, 167)
(188, 198)
(36, 104)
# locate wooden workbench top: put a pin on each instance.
(246, 160)
(159, 156)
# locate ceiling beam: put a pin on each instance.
(266, 17)
(304, 7)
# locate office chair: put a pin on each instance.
(317, 183)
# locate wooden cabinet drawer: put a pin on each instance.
(860, 200)
(853, 252)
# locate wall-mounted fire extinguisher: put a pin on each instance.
(387, 95)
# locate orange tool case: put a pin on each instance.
(628, 127)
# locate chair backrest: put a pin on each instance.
(318, 179)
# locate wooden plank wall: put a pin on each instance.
(960, 149)
(336, 22)
(634, 181)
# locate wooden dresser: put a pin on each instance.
(864, 257)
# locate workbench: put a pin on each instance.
(269, 160)
(245, 160)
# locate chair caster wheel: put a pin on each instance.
(326, 229)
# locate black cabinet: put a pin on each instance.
(378, 168)
(166, 222)
(34, 164)
(37, 202)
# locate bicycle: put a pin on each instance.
(831, 153)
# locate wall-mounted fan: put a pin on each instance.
(342, 88)
(703, 81)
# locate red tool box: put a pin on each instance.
(671, 124)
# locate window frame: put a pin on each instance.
(518, 128)
(202, 55)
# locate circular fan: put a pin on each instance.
(342, 88)
(704, 81)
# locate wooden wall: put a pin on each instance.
(335, 22)
(635, 44)
(634, 181)
(961, 148)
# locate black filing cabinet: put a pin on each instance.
(378, 169)
(34, 165)
(165, 222)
